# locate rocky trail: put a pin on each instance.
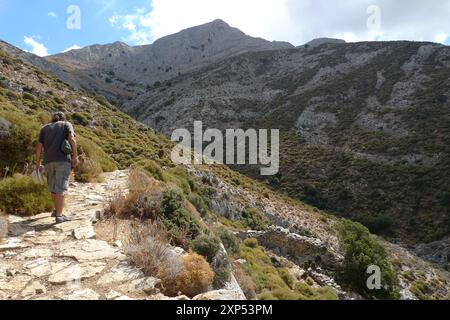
(41, 260)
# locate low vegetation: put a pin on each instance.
(361, 250)
(207, 246)
(148, 249)
(274, 283)
(21, 196)
(196, 277)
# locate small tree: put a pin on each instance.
(362, 251)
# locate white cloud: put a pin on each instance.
(134, 23)
(74, 47)
(37, 48)
(293, 20)
(441, 37)
(52, 14)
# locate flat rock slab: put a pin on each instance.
(35, 288)
(42, 267)
(89, 250)
(68, 227)
(119, 274)
(15, 219)
(77, 272)
(36, 253)
(83, 294)
(15, 284)
(84, 232)
(40, 222)
(13, 244)
(221, 295)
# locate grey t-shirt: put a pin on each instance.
(52, 136)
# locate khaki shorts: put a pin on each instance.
(58, 175)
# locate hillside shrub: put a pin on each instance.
(21, 196)
(252, 218)
(176, 217)
(276, 283)
(222, 270)
(199, 203)
(207, 246)
(148, 248)
(196, 277)
(377, 223)
(152, 168)
(18, 144)
(362, 251)
(229, 240)
(93, 161)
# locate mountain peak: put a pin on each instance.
(220, 22)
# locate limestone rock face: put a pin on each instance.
(165, 58)
(297, 247)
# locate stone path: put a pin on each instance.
(41, 260)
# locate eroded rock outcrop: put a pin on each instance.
(298, 248)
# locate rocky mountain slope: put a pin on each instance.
(364, 126)
(121, 71)
(298, 251)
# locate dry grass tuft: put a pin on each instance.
(196, 277)
(245, 282)
(139, 203)
(148, 248)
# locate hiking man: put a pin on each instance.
(58, 162)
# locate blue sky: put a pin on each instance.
(40, 26)
(45, 22)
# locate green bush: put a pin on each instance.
(251, 243)
(229, 240)
(21, 196)
(93, 161)
(179, 177)
(362, 251)
(207, 246)
(176, 218)
(18, 145)
(222, 269)
(152, 168)
(421, 290)
(377, 223)
(286, 276)
(276, 283)
(252, 218)
(199, 203)
(173, 200)
(81, 119)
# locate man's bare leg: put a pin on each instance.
(58, 200)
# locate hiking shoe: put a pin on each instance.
(61, 219)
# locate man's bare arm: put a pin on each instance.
(74, 145)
